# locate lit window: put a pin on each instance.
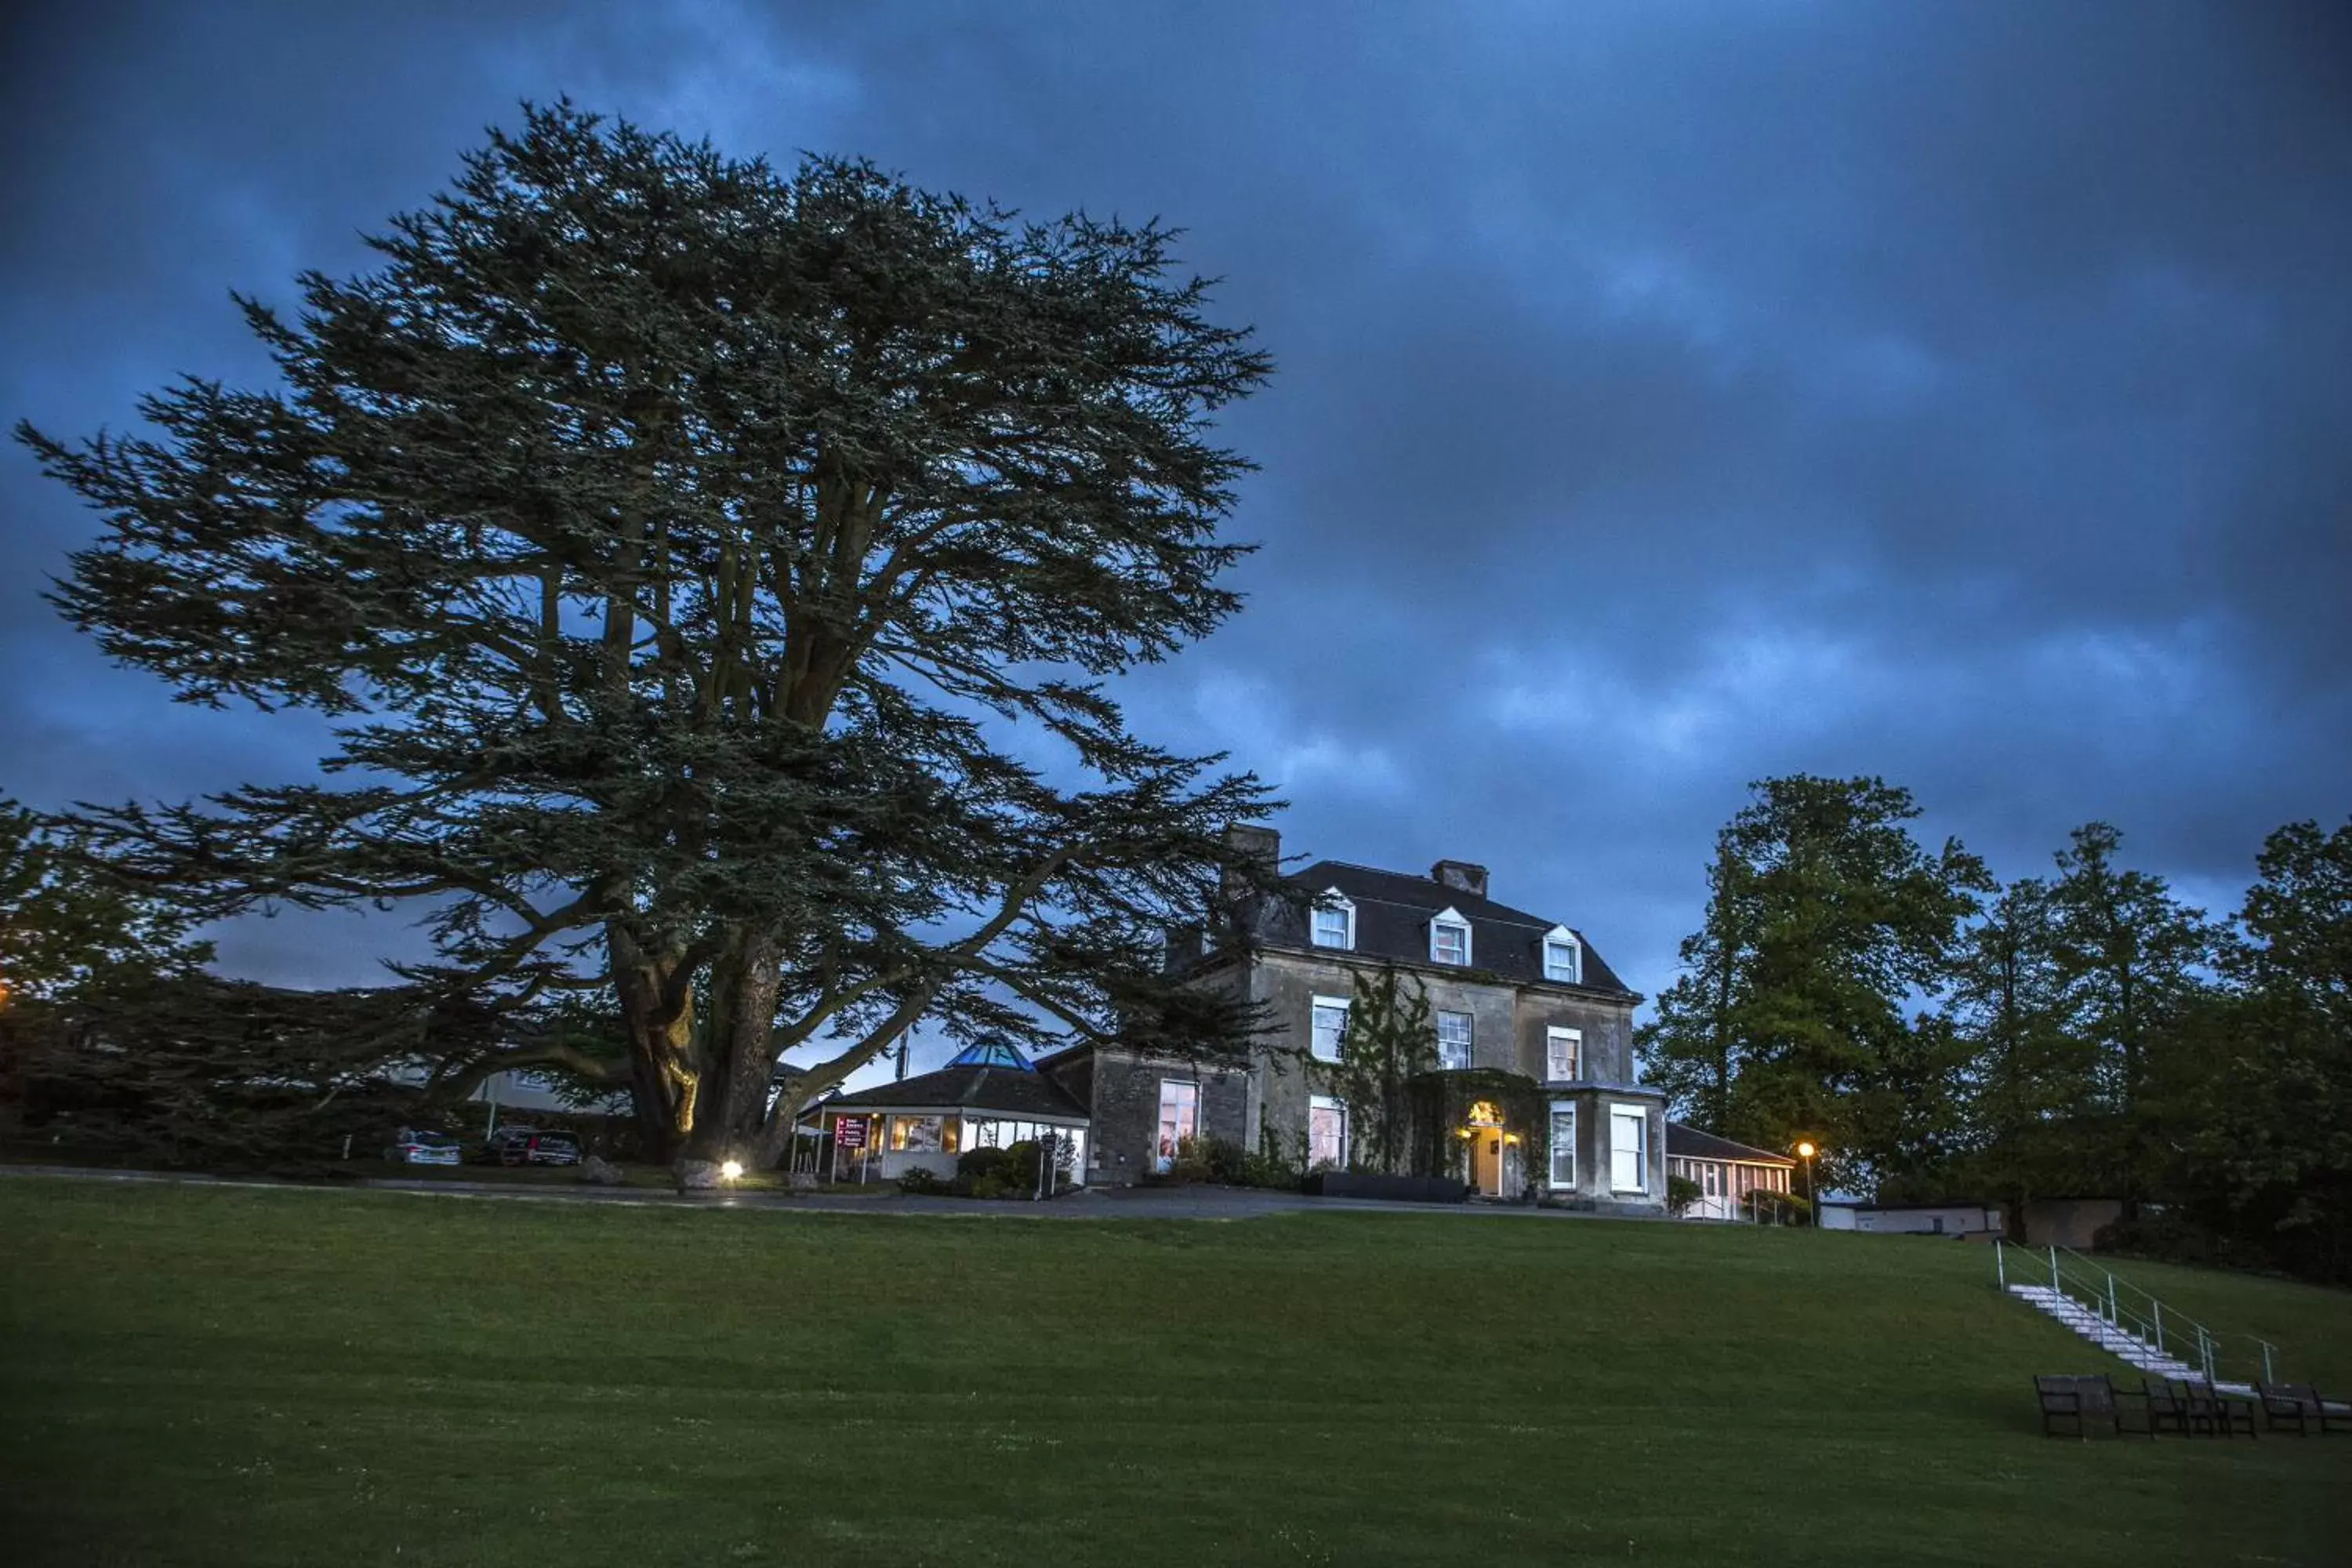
(919, 1135)
(1563, 1145)
(1629, 1165)
(1327, 1132)
(1334, 920)
(1180, 1119)
(1453, 1041)
(1449, 939)
(1563, 957)
(1331, 1023)
(1563, 1055)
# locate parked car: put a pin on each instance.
(551, 1149)
(530, 1146)
(417, 1146)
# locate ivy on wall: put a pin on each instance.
(1441, 1102)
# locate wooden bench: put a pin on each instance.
(2214, 1413)
(2163, 1410)
(2298, 1407)
(2082, 1400)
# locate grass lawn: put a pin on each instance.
(237, 1376)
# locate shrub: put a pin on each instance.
(974, 1164)
(1227, 1163)
(1681, 1193)
(919, 1180)
(1269, 1166)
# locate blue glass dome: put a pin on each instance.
(994, 1054)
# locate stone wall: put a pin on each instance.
(1126, 1110)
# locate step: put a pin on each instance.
(2121, 1343)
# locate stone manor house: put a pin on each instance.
(1534, 1096)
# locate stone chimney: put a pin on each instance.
(1262, 843)
(1461, 876)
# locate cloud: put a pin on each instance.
(1666, 398)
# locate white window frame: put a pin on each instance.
(1315, 1027)
(1553, 1034)
(1162, 1157)
(1315, 1102)
(1561, 1108)
(1332, 900)
(1561, 936)
(1450, 919)
(1639, 1115)
(1469, 1039)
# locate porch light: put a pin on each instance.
(732, 1170)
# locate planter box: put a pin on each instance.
(1393, 1189)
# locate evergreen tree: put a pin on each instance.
(2130, 961)
(1691, 1049)
(1832, 920)
(2029, 1086)
(66, 923)
(675, 541)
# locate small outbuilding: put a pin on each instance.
(1725, 1172)
(988, 1097)
(1952, 1218)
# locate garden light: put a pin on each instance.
(732, 1170)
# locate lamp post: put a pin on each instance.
(1806, 1151)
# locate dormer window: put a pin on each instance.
(1334, 920)
(1563, 956)
(1449, 939)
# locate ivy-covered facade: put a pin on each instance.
(1529, 1094)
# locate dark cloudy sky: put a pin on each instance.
(1668, 396)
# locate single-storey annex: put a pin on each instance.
(1725, 1171)
(988, 1097)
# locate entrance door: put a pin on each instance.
(1486, 1153)
(1180, 1120)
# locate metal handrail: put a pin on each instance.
(2098, 1288)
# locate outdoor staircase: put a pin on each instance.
(2117, 1341)
(2092, 1301)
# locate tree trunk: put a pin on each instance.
(665, 1074)
(732, 1110)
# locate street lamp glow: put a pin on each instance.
(1804, 1150)
(732, 1170)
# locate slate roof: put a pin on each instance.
(1690, 1143)
(1393, 909)
(999, 1090)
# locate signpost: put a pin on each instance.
(849, 1132)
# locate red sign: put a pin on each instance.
(849, 1132)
